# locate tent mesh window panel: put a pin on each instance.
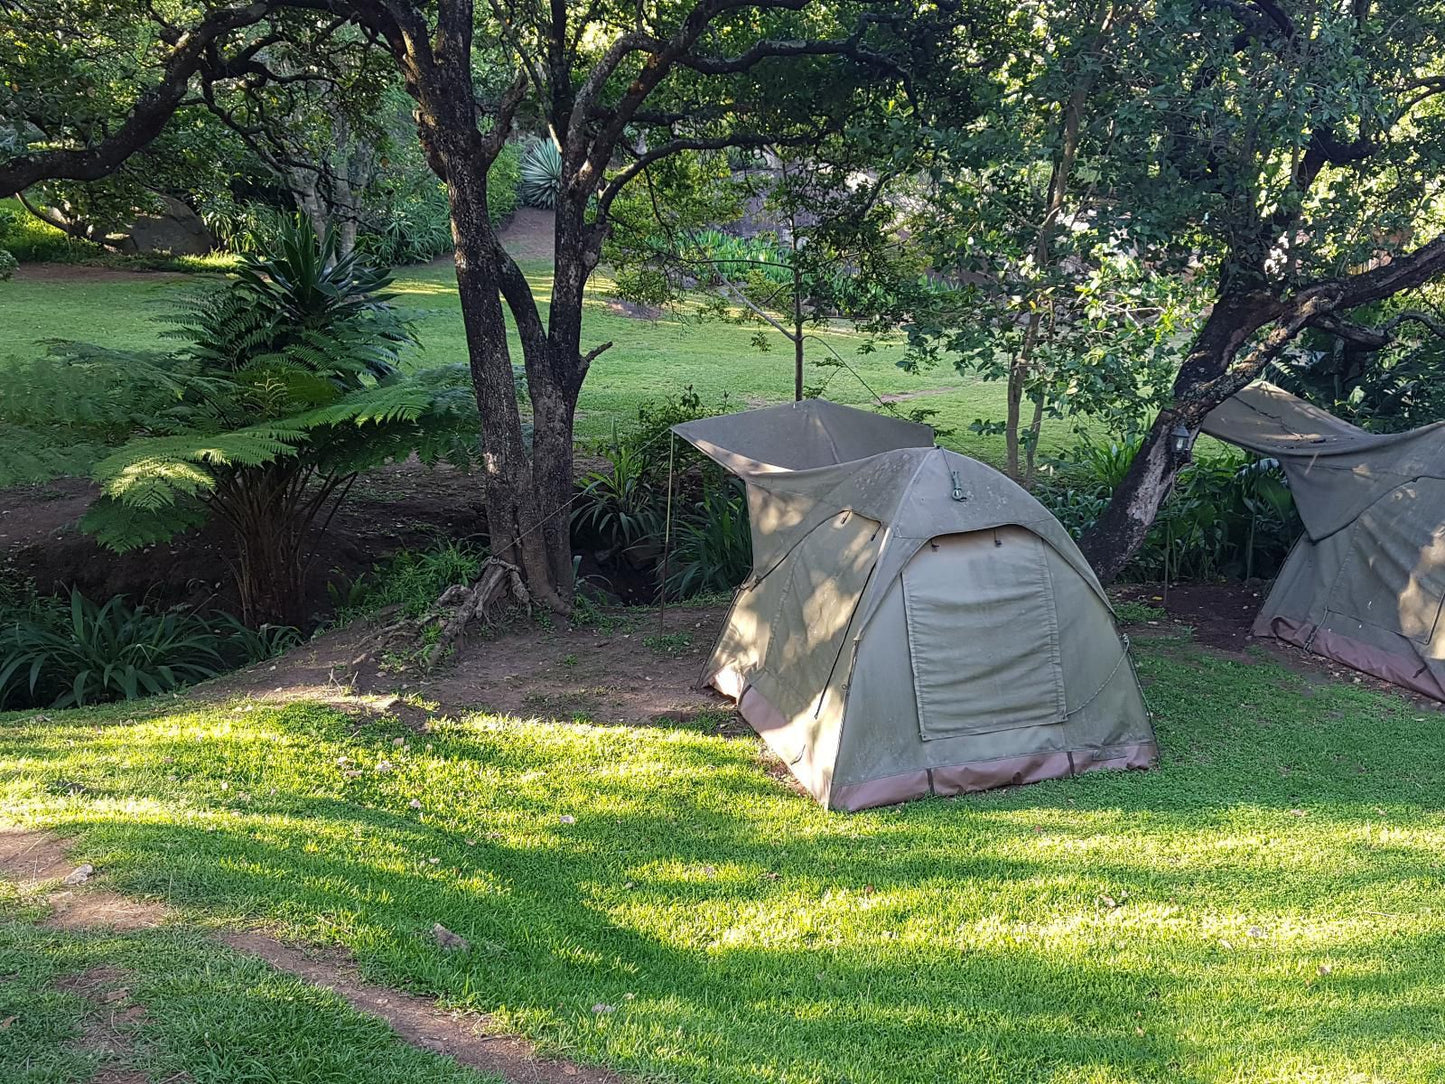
(980, 620)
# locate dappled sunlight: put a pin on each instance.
(419, 288)
(1110, 928)
(1420, 598)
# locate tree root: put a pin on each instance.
(399, 642)
(498, 579)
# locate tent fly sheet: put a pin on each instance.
(1365, 583)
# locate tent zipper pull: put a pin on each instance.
(957, 486)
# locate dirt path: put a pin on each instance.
(38, 862)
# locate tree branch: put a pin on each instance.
(147, 117)
(628, 173)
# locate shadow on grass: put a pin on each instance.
(1261, 907)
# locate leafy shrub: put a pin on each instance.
(504, 181)
(57, 652)
(249, 226)
(719, 255)
(31, 241)
(410, 580)
(541, 174)
(620, 504)
(714, 549)
(1229, 515)
(8, 264)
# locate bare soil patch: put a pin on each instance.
(909, 396)
(80, 272)
(620, 307)
(397, 506)
(30, 856)
(633, 673)
(95, 908)
(464, 1036)
(623, 670)
(1221, 614)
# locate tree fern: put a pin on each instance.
(284, 384)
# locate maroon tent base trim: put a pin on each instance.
(946, 781)
(985, 775)
(1407, 671)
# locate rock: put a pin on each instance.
(452, 942)
(79, 875)
(175, 229)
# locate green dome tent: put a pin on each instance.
(915, 623)
(1364, 585)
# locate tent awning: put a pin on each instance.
(1336, 470)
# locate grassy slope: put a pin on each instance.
(1268, 907)
(648, 359)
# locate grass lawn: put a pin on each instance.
(208, 1015)
(649, 359)
(1269, 906)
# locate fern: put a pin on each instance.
(284, 383)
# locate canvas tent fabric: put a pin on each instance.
(914, 623)
(1364, 584)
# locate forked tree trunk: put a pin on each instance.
(515, 507)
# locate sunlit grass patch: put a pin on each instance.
(1268, 906)
(649, 358)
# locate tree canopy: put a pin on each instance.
(1132, 206)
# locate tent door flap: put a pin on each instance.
(983, 634)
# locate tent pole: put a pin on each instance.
(666, 539)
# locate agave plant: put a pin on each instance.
(541, 174)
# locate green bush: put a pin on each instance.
(8, 264)
(503, 183)
(714, 548)
(68, 652)
(1229, 515)
(623, 505)
(410, 580)
(29, 240)
(249, 227)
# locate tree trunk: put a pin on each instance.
(1036, 425)
(1011, 419)
(516, 506)
(797, 327)
(262, 506)
(1121, 528)
(555, 378)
